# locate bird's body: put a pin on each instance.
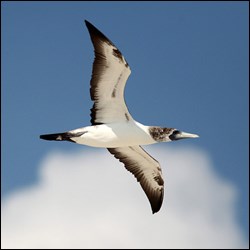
(113, 126)
(114, 135)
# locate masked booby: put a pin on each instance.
(113, 127)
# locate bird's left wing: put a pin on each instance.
(146, 170)
(109, 75)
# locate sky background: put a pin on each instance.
(189, 65)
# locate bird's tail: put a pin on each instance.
(65, 136)
(56, 137)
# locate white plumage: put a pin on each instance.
(113, 126)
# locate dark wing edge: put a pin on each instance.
(101, 65)
(146, 170)
(97, 38)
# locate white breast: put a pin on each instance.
(115, 135)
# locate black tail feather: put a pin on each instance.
(56, 137)
(66, 136)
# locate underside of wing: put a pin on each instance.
(109, 75)
(146, 170)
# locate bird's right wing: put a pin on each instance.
(146, 170)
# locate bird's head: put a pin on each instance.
(160, 134)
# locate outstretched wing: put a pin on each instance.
(146, 170)
(109, 75)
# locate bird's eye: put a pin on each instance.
(176, 132)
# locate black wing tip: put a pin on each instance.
(88, 24)
(96, 33)
(156, 209)
(156, 205)
(91, 27)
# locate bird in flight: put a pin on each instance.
(113, 127)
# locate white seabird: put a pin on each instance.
(113, 126)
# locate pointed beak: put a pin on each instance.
(183, 135)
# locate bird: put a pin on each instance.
(112, 125)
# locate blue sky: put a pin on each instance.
(189, 66)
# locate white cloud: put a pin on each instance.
(88, 200)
